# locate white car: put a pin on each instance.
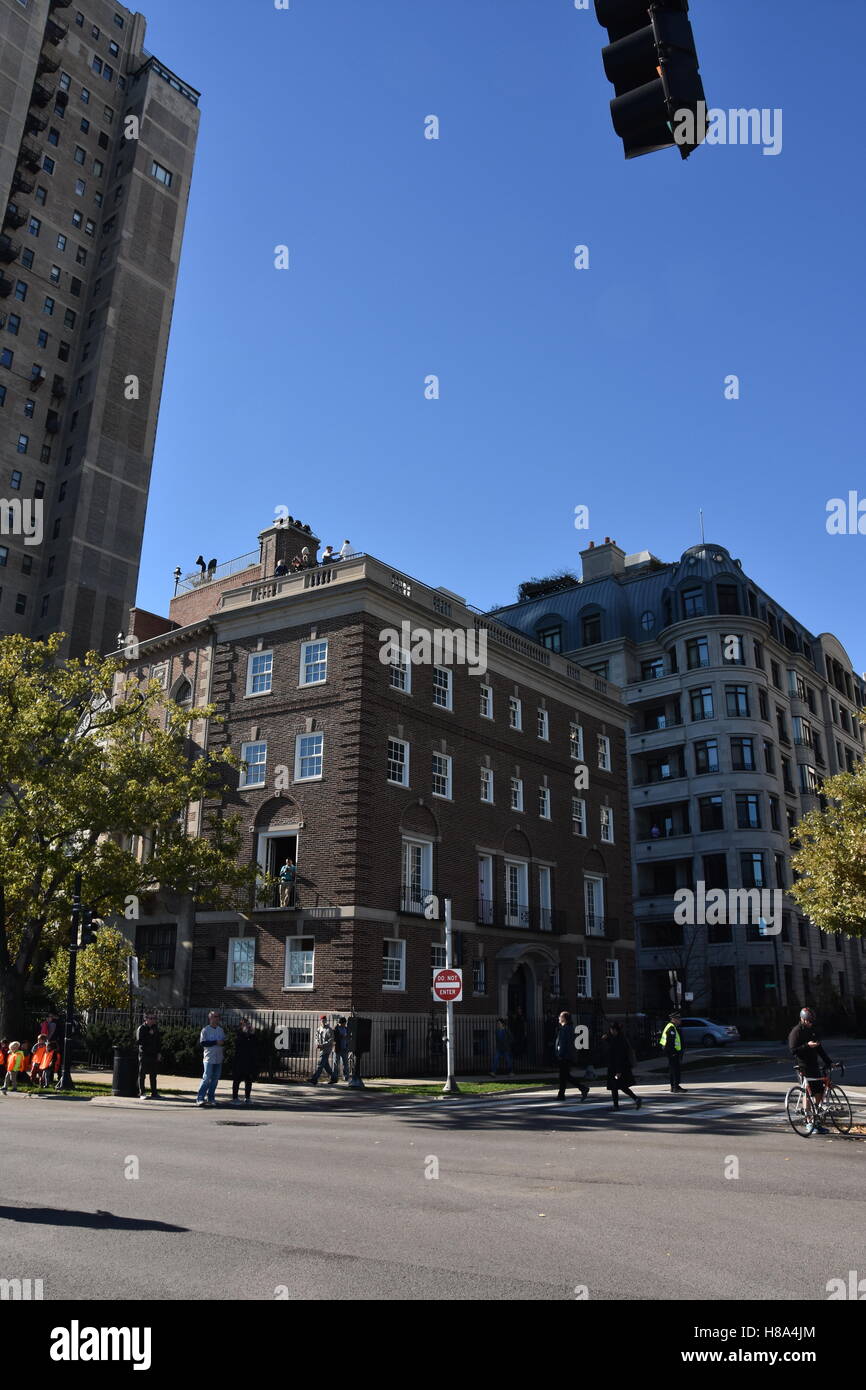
(701, 1032)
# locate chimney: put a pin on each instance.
(283, 540)
(602, 561)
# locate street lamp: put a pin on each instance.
(66, 1083)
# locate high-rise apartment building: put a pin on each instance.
(97, 140)
(738, 712)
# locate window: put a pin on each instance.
(108, 73)
(551, 638)
(80, 154)
(604, 752)
(543, 726)
(607, 825)
(417, 874)
(706, 756)
(65, 82)
(34, 226)
(486, 701)
(775, 819)
(15, 480)
(584, 977)
(702, 702)
(160, 174)
(516, 794)
(759, 654)
(97, 65)
(769, 756)
(300, 959)
(42, 338)
(693, 603)
(98, 168)
(309, 756)
(775, 675)
(314, 662)
(748, 812)
(393, 964)
(400, 673)
(575, 737)
(737, 701)
(75, 286)
(63, 352)
(2, 395)
(578, 815)
(29, 409)
(48, 306)
(113, 48)
(479, 975)
(809, 780)
(6, 357)
(442, 775)
(398, 762)
(241, 962)
(53, 136)
(593, 900)
(752, 872)
(652, 670)
(729, 598)
(4, 556)
(13, 324)
(516, 893)
(763, 704)
(23, 443)
(515, 712)
(118, 19)
(80, 188)
(697, 652)
(77, 219)
(544, 802)
(69, 318)
(85, 125)
(27, 259)
(20, 603)
(254, 758)
(94, 31)
(743, 754)
(487, 785)
(712, 812)
(85, 96)
(437, 956)
(611, 979)
(260, 670)
(442, 687)
(61, 242)
(48, 164)
(733, 649)
(21, 290)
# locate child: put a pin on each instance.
(49, 1065)
(4, 1052)
(36, 1060)
(14, 1066)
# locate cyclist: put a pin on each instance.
(808, 1052)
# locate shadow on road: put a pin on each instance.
(95, 1220)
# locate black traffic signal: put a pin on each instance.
(90, 925)
(653, 64)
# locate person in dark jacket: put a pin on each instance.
(809, 1054)
(563, 1048)
(620, 1064)
(245, 1067)
(149, 1041)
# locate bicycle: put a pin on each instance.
(832, 1104)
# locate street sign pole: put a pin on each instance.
(450, 1088)
(66, 1083)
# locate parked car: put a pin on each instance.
(704, 1033)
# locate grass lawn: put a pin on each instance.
(467, 1088)
(84, 1090)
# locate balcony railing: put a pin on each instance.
(9, 250)
(484, 912)
(196, 579)
(13, 218)
(58, 388)
(52, 423)
(597, 925)
(21, 185)
(515, 914)
(47, 64)
(552, 919)
(41, 95)
(35, 124)
(59, 4)
(55, 33)
(278, 897)
(414, 900)
(31, 158)
(6, 287)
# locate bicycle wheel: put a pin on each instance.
(797, 1117)
(838, 1109)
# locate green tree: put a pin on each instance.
(89, 758)
(830, 857)
(101, 978)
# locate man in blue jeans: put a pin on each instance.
(211, 1039)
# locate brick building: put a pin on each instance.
(386, 782)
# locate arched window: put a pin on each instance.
(183, 695)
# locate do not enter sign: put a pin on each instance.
(448, 986)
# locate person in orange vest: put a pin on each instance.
(4, 1052)
(28, 1061)
(49, 1065)
(14, 1066)
(36, 1061)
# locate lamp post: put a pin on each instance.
(66, 1083)
(450, 1088)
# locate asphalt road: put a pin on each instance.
(325, 1195)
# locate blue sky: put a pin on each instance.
(410, 257)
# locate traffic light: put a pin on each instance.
(90, 925)
(653, 64)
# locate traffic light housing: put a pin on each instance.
(90, 925)
(653, 64)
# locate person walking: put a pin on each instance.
(620, 1065)
(672, 1043)
(324, 1043)
(502, 1048)
(563, 1048)
(341, 1051)
(14, 1066)
(212, 1039)
(149, 1041)
(245, 1067)
(288, 876)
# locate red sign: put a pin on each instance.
(448, 986)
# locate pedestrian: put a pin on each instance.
(287, 876)
(48, 1027)
(620, 1065)
(14, 1066)
(345, 550)
(341, 1050)
(4, 1053)
(149, 1041)
(672, 1043)
(49, 1065)
(328, 556)
(324, 1043)
(564, 1049)
(245, 1065)
(502, 1048)
(212, 1039)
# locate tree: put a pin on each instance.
(539, 588)
(830, 857)
(101, 978)
(88, 759)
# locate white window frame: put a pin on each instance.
(401, 957)
(304, 663)
(607, 825)
(604, 752)
(544, 725)
(513, 919)
(593, 901)
(415, 890)
(484, 875)
(575, 730)
(400, 743)
(544, 803)
(400, 674)
(487, 785)
(611, 993)
(247, 766)
(515, 713)
(316, 776)
(448, 761)
(584, 977)
(516, 801)
(293, 948)
(545, 897)
(437, 955)
(485, 698)
(249, 942)
(253, 675)
(479, 975)
(447, 690)
(580, 819)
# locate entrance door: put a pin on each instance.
(274, 850)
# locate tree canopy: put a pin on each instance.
(830, 857)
